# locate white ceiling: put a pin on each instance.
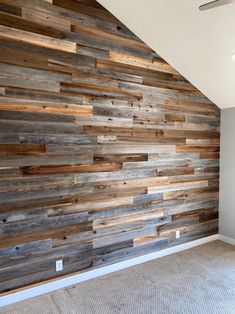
(198, 44)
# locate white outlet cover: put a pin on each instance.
(177, 234)
(59, 265)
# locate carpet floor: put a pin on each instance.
(197, 281)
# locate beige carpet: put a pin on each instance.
(197, 281)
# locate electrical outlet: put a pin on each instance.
(177, 234)
(59, 265)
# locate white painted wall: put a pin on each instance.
(227, 174)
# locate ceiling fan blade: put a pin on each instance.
(215, 4)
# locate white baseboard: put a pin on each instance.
(226, 239)
(36, 290)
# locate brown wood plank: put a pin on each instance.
(22, 149)
(70, 168)
(37, 39)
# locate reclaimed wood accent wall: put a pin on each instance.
(105, 150)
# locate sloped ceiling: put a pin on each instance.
(198, 44)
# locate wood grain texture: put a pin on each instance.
(105, 149)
